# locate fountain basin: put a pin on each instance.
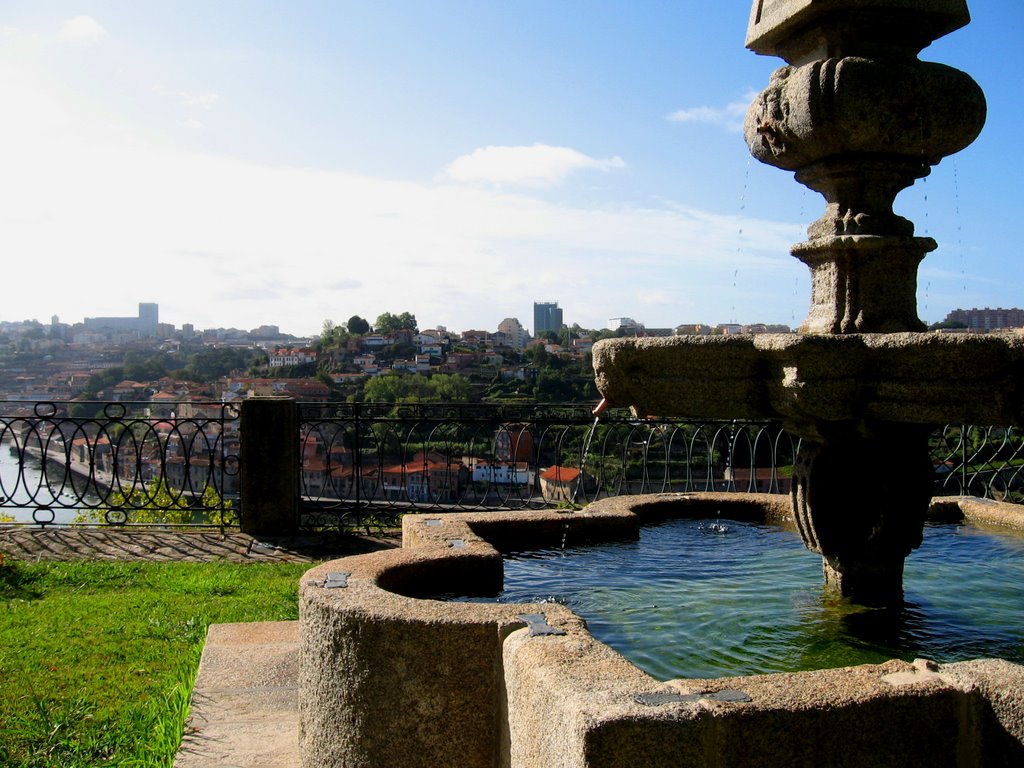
(809, 380)
(391, 677)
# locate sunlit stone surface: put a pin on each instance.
(857, 117)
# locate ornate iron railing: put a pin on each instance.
(172, 464)
(987, 462)
(364, 464)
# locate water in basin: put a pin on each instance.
(713, 598)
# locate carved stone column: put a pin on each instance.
(858, 117)
(860, 502)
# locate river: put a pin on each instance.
(19, 489)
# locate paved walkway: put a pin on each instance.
(245, 702)
(57, 543)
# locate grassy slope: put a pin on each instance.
(97, 659)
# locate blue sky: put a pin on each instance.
(244, 163)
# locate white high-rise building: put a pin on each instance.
(514, 330)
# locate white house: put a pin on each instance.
(280, 358)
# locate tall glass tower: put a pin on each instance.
(546, 317)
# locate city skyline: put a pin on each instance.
(146, 322)
(243, 164)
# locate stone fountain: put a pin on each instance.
(857, 117)
(390, 676)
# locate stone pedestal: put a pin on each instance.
(860, 502)
(863, 283)
(858, 117)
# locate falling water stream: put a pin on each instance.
(711, 598)
(584, 452)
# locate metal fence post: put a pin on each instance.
(269, 465)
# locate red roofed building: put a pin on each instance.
(425, 477)
(558, 483)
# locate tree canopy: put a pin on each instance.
(358, 326)
(389, 323)
(393, 388)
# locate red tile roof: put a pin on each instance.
(560, 474)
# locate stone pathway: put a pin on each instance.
(245, 703)
(57, 543)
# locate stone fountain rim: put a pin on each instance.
(427, 543)
(475, 665)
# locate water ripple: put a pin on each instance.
(697, 598)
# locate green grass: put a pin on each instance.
(97, 659)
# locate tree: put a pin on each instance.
(332, 337)
(389, 323)
(392, 388)
(158, 503)
(450, 388)
(357, 325)
(950, 324)
(213, 362)
(139, 367)
(538, 355)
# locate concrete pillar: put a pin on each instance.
(270, 465)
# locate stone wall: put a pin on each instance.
(392, 678)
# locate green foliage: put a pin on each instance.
(450, 388)
(324, 378)
(149, 366)
(206, 364)
(559, 386)
(392, 388)
(158, 504)
(299, 371)
(98, 658)
(538, 355)
(389, 323)
(332, 337)
(416, 387)
(210, 363)
(358, 326)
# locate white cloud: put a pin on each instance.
(100, 224)
(539, 165)
(206, 100)
(730, 117)
(81, 29)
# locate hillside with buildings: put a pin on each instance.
(140, 358)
